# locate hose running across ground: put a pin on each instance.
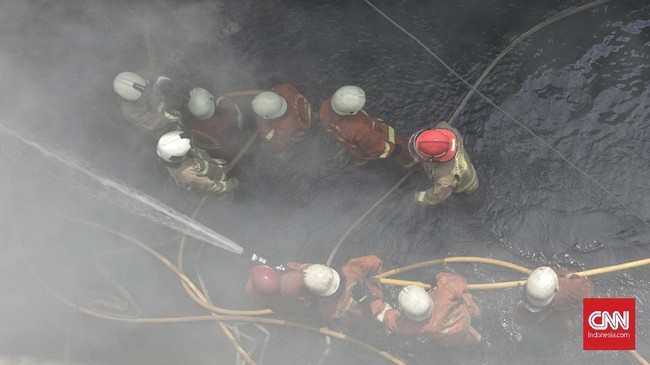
(473, 88)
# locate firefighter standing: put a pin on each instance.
(283, 116)
(443, 315)
(216, 124)
(144, 102)
(189, 169)
(282, 289)
(445, 161)
(334, 287)
(365, 138)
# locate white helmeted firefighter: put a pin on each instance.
(337, 306)
(146, 100)
(283, 116)
(215, 124)
(552, 299)
(446, 162)
(365, 138)
(443, 315)
(190, 168)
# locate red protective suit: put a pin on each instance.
(341, 305)
(566, 304)
(451, 320)
(293, 299)
(277, 134)
(219, 135)
(366, 138)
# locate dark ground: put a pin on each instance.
(581, 84)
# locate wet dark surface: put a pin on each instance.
(581, 84)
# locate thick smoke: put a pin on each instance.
(582, 84)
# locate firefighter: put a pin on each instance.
(364, 137)
(190, 168)
(443, 315)
(334, 287)
(552, 299)
(215, 124)
(282, 289)
(145, 102)
(283, 116)
(445, 161)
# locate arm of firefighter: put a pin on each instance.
(279, 138)
(392, 319)
(442, 188)
(205, 184)
(374, 144)
(379, 308)
(372, 265)
(137, 113)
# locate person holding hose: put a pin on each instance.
(443, 314)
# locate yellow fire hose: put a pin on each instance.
(446, 260)
(508, 284)
(194, 289)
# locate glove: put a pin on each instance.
(361, 294)
(173, 116)
(419, 198)
(396, 151)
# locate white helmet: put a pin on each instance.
(540, 288)
(174, 146)
(415, 303)
(321, 280)
(348, 100)
(269, 105)
(201, 103)
(129, 85)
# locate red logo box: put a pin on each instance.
(608, 324)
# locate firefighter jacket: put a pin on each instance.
(450, 321)
(293, 299)
(219, 134)
(367, 138)
(341, 306)
(277, 134)
(147, 113)
(199, 175)
(456, 175)
(566, 304)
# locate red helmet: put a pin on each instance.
(265, 279)
(438, 144)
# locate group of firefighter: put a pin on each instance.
(197, 134)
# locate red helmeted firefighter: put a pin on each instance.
(216, 124)
(190, 169)
(443, 315)
(145, 102)
(334, 287)
(282, 289)
(364, 137)
(283, 116)
(445, 161)
(552, 299)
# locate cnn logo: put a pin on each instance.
(601, 320)
(608, 323)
